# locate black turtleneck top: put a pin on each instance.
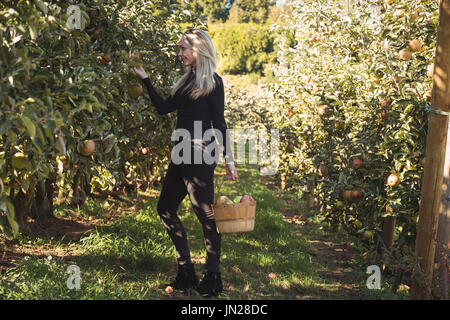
(208, 109)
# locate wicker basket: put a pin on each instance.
(234, 218)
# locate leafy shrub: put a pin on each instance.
(243, 47)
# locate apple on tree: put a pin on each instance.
(135, 90)
(385, 103)
(415, 45)
(405, 54)
(86, 148)
(357, 163)
(393, 180)
(322, 110)
(347, 195)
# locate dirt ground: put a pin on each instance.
(337, 273)
(62, 230)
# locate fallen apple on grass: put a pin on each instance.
(168, 290)
(272, 275)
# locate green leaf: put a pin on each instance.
(33, 32)
(5, 126)
(4, 227)
(42, 6)
(14, 227)
(38, 143)
(29, 125)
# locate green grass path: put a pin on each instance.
(130, 256)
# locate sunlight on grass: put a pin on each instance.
(132, 257)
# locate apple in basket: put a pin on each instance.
(224, 200)
(247, 199)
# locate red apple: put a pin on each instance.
(385, 103)
(393, 180)
(340, 204)
(223, 200)
(357, 163)
(347, 195)
(405, 54)
(322, 110)
(168, 290)
(323, 170)
(247, 199)
(338, 123)
(356, 194)
(415, 45)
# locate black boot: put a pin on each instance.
(211, 285)
(186, 277)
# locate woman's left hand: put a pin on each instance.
(231, 172)
(140, 72)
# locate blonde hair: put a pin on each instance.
(205, 64)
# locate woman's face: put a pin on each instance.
(186, 53)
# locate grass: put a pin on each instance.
(133, 257)
(129, 255)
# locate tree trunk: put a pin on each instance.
(42, 208)
(22, 204)
(441, 258)
(78, 195)
(60, 197)
(430, 200)
(388, 231)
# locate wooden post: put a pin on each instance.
(441, 258)
(430, 200)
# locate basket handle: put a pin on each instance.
(238, 180)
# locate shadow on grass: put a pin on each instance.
(270, 262)
(133, 255)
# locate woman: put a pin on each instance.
(198, 96)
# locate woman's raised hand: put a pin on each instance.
(140, 72)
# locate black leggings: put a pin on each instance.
(196, 180)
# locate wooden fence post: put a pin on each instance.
(436, 144)
(442, 247)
